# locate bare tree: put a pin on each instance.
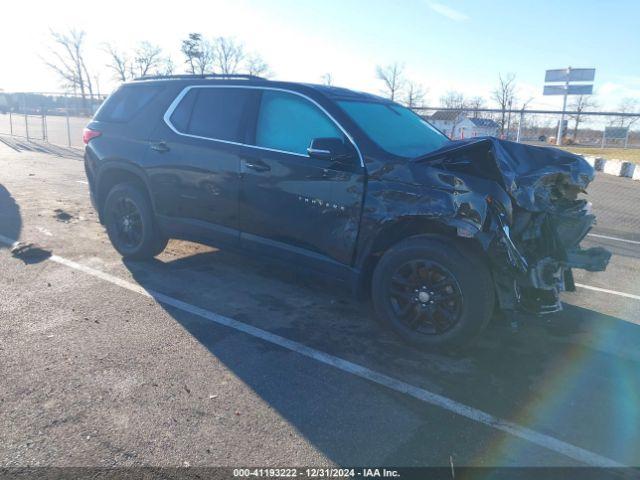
(504, 96)
(475, 104)
(255, 65)
(579, 105)
(392, 76)
(327, 79)
(199, 54)
(453, 99)
(415, 95)
(204, 62)
(68, 62)
(118, 62)
(228, 55)
(147, 59)
(166, 67)
(627, 105)
(190, 48)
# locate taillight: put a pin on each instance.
(88, 134)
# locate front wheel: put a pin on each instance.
(130, 223)
(431, 293)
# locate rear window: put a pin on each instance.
(215, 113)
(123, 104)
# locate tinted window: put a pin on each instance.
(182, 113)
(394, 128)
(123, 104)
(289, 122)
(218, 113)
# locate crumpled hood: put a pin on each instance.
(535, 177)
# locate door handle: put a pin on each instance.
(160, 147)
(258, 167)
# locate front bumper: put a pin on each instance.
(541, 252)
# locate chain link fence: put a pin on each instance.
(580, 129)
(56, 118)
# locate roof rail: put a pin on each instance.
(219, 76)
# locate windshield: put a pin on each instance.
(395, 129)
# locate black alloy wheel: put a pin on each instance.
(433, 291)
(425, 297)
(128, 223)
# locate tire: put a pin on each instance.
(447, 292)
(137, 236)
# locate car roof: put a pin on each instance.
(329, 91)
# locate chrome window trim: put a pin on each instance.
(185, 90)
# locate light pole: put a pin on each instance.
(564, 108)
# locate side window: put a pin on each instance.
(288, 122)
(182, 113)
(216, 113)
(123, 104)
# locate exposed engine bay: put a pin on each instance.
(533, 223)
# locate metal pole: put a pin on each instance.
(26, 120)
(10, 123)
(66, 100)
(520, 125)
(626, 139)
(564, 108)
(604, 133)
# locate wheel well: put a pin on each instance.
(110, 179)
(399, 231)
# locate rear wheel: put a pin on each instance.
(130, 223)
(432, 293)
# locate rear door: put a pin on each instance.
(194, 162)
(293, 205)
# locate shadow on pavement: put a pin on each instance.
(573, 377)
(10, 219)
(30, 253)
(10, 228)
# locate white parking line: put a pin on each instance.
(82, 181)
(542, 440)
(606, 290)
(606, 237)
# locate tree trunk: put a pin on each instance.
(575, 128)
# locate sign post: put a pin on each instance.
(616, 133)
(567, 76)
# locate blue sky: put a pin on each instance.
(444, 45)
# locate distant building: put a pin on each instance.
(457, 125)
(484, 127)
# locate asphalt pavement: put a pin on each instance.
(203, 357)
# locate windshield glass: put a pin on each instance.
(395, 129)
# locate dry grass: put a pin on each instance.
(624, 154)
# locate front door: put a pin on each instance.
(292, 204)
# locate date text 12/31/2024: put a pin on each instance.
(315, 472)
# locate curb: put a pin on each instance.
(614, 167)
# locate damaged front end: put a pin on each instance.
(532, 238)
(542, 248)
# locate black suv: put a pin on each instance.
(348, 185)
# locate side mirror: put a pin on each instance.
(330, 149)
